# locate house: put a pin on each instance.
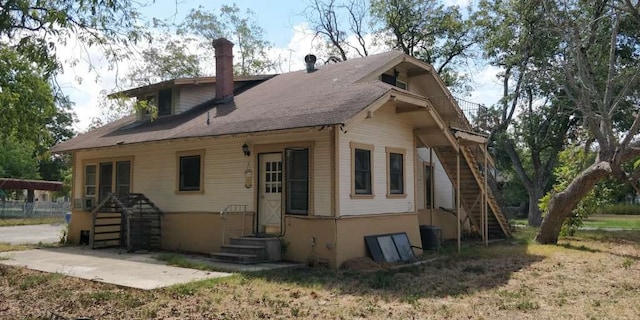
(319, 158)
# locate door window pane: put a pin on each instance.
(273, 177)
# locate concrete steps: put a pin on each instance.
(248, 250)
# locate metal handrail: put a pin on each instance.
(232, 208)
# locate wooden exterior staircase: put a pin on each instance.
(472, 187)
(472, 170)
(128, 221)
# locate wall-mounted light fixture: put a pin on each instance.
(245, 150)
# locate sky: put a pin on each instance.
(283, 22)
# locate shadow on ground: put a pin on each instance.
(449, 274)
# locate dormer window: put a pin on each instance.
(393, 80)
(164, 102)
(401, 84)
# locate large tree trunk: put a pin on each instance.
(535, 216)
(562, 203)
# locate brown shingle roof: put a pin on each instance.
(329, 95)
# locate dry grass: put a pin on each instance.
(6, 222)
(591, 276)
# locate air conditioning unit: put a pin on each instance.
(77, 204)
(88, 204)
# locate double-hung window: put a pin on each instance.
(396, 172)
(190, 171)
(362, 170)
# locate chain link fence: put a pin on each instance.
(22, 209)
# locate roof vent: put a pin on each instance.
(310, 60)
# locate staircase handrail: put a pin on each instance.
(232, 208)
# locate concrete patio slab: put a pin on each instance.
(133, 270)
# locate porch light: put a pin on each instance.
(248, 177)
(245, 150)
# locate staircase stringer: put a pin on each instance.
(493, 204)
(452, 178)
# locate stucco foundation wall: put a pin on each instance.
(80, 220)
(200, 232)
(351, 232)
(310, 240)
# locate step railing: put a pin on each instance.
(233, 208)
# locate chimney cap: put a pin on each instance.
(221, 41)
(310, 60)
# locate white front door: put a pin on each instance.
(270, 193)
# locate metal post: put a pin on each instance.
(486, 199)
(458, 190)
(431, 192)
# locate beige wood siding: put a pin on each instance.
(383, 129)
(191, 96)
(154, 171)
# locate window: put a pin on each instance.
(362, 170)
(105, 176)
(297, 179)
(396, 183)
(164, 102)
(402, 85)
(395, 172)
(190, 171)
(390, 79)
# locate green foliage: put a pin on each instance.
(26, 98)
(32, 26)
(237, 26)
(429, 31)
(572, 162)
(169, 59)
(17, 160)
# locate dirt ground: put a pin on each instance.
(595, 275)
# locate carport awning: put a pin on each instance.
(7, 183)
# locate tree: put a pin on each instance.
(531, 121)
(600, 61)
(169, 59)
(429, 31)
(17, 160)
(165, 59)
(35, 113)
(34, 28)
(327, 18)
(236, 26)
(27, 100)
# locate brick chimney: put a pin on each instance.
(224, 69)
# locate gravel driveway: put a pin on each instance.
(45, 233)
